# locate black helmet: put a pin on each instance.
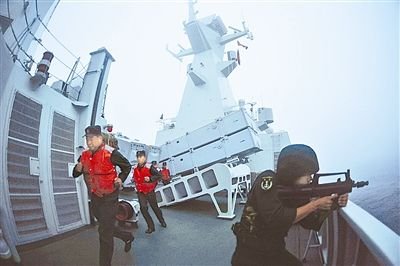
(295, 161)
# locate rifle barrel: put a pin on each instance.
(361, 184)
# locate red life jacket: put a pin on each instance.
(139, 173)
(165, 174)
(100, 170)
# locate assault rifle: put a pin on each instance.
(303, 193)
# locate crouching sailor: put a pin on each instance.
(266, 219)
(97, 164)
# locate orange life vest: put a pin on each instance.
(139, 173)
(100, 170)
(166, 176)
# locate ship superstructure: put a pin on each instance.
(214, 146)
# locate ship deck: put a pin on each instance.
(194, 236)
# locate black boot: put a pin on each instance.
(150, 230)
(163, 224)
(128, 244)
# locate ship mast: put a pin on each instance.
(192, 11)
(207, 95)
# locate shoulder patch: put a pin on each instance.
(266, 182)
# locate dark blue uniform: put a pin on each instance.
(264, 224)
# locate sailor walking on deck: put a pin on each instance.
(266, 220)
(146, 178)
(98, 163)
(166, 175)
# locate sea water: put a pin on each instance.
(381, 198)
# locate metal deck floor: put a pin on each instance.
(194, 236)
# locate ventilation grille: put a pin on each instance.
(24, 188)
(63, 133)
(62, 153)
(25, 119)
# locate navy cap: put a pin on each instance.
(93, 130)
(140, 153)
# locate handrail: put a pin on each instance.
(383, 242)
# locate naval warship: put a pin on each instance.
(44, 213)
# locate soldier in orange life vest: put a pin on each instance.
(97, 164)
(166, 179)
(146, 179)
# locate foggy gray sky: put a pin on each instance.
(329, 70)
